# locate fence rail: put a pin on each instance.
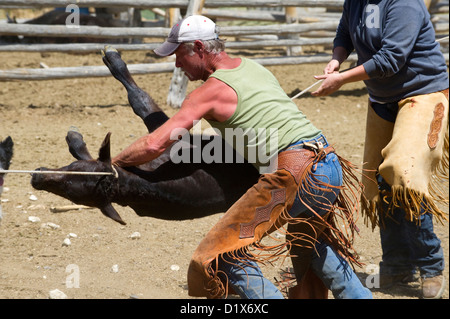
(102, 71)
(96, 47)
(147, 68)
(157, 32)
(147, 4)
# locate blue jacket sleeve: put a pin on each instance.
(343, 38)
(400, 29)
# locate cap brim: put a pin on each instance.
(166, 49)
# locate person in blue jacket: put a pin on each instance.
(406, 146)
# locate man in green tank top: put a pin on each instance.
(300, 181)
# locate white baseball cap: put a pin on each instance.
(195, 27)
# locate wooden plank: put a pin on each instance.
(102, 71)
(306, 59)
(147, 4)
(43, 30)
(75, 47)
(156, 32)
(440, 8)
(96, 47)
(252, 15)
(278, 28)
(144, 4)
(80, 72)
(272, 16)
(274, 3)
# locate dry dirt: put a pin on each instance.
(33, 260)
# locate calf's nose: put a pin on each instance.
(36, 179)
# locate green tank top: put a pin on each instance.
(266, 120)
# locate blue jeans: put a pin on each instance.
(246, 277)
(336, 274)
(407, 245)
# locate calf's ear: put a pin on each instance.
(104, 155)
(77, 146)
(110, 212)
(8, 142)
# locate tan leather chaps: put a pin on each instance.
(412, 155)
(263, 209)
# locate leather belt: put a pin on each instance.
(311, 145)
(297, 161)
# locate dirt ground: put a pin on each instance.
(103, 260)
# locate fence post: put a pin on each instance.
(179, 83)
(292, 17)
(172, 15)
(427, 3)
(430, 4)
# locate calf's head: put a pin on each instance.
(91, 190)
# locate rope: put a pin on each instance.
(306, 90)
(313, 85)
(55, 172)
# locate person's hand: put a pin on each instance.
(331, 83)
(332, 67)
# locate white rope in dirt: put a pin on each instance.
(55, 172)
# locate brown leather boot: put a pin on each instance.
(433, 287)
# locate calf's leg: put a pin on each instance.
(143, 105)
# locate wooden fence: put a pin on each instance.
(295, 26)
